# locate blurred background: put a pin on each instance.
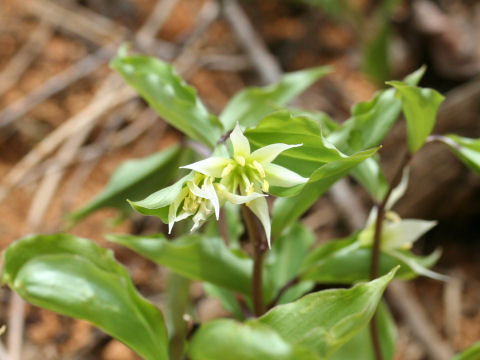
(66, 123)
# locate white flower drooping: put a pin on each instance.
(248, 175)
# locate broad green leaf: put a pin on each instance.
(157, 204)
(370, 175)
(250, 105)
(287, 210)
(327, 124)
(134, 179)
(360, 346)
(376, 54)
(346, 262)
(466, 149)
(195, 257)
(368, 125)
(420, 106)
(228, 339)
(326, 320)
(169, 96)
(283, 127)
(77, 278)
(285, 259)
(471, 353)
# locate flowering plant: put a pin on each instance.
(263, 269)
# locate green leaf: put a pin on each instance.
(283, 127)
(77, 278)
(471, 353)
(368, 125)
(195, 257)
(420, 106)
(157, 204)
(360, 346)
(376, 61)
(171, 98)
(285, 259)
(250, 105)
(370, 175)
(466, 149)
(346, 262)
(327, 124)
(228, 339)
(326, 320)
(287, 210)
(133, 179)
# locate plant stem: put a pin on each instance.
(376, 247)
(259, 250)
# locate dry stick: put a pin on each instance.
(82, 172)
(412, 312)
(96, 108)
(24, 57)
(404, 302)
(56, 84)
(77, 20)
(56, 15)
(268, 68)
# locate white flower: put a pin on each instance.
(249, 173)
(199, 199)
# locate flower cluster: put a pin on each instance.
(244, 178)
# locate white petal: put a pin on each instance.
(213, 166)
(268, 153)
(241, 146)
(173, 209)
(399, 190)
(398, 234)
(234, 198)
(280, 176)
(212, 196)
(206, 192)
(418, 268)
(259, 207)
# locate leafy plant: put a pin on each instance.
(261, 150)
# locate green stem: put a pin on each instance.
(381, 209)
(259, 250)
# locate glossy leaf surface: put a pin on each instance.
(228, 339)
(169, 96)
(77, 278)
(134, 179)
(287, 210)
(346, 262)
(466, 149)
(250, 105)
(360, 346)
(195, 257)
(420, 106)
(326, 320)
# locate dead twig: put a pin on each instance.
(269, 69)
(452, 297)
(56, 84)
(24, 57)
(77, 20)
(404, 302)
